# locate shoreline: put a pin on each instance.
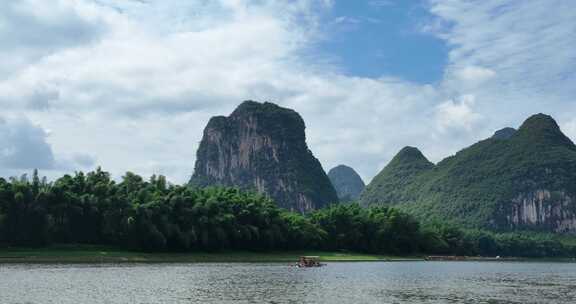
(89, 255)
(72, 254)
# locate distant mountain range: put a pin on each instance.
(524, 179)
(516, 179)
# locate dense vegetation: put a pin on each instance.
(476, 187)
(393, 183)
(155, 216)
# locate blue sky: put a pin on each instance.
(130, 85)
(384, 38)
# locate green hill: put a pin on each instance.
(524, 180)
(391, 184)
(347, 182)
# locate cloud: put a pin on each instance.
(113, 95)
(131, 70)
(569, 128)
(41, 99)
(457, 115)
(526, 50)
(84, 160)
(134, 82)
(474, 74)
(33, 29)
(23, 146)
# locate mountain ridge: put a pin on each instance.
(524, 182)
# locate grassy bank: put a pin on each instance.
(96, 254)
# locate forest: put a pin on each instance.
(156, 216)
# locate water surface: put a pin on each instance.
(374, 282)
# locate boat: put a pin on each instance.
(309, 261)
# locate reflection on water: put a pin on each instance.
(402, 282)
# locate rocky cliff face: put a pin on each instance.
(262, 147)
(347, 182)
(547, 210)
(517, 179)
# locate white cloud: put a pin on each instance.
(457, 115)
(24, 146)
(529, 52)
(115, 96)
(134, 83)
(33, 29)
(473, 75)
(569, 128)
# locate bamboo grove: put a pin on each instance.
(154, 215)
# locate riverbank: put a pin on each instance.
(71, 254)
(95, 254)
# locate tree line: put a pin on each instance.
(154, 215)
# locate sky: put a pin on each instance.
(129, 85)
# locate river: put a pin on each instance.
(359, 282)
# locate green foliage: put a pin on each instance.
(375, 230)
(147, 215)
(475, 187)
(391, 184)
(156, 216)
(449, 239)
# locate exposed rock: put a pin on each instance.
(262, 147)
(347, 182)
(542, 208)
